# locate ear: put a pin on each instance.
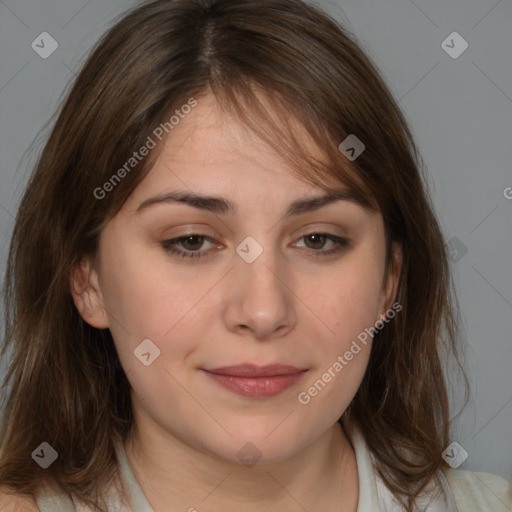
(87, 294)
(392, 279)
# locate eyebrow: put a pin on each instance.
(219, 205)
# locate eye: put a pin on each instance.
(317, 241)
(192, 243)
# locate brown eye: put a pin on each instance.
(192, 242)
(191, 245)
(317, 240)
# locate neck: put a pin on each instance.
(175, 476)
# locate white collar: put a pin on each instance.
(374, 496)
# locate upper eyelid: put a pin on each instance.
(344, 232)
(176, 240)
(213, 239)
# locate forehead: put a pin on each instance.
(211, 144)
(214, 128)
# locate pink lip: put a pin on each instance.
(256, 381)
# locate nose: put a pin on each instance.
(260, 302)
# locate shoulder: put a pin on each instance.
(12, 502)
(478, 491)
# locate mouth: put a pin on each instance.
(256, 381)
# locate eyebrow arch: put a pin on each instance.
(219, 205)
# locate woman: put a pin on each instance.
(227, 287)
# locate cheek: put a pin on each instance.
(342, 353)
(150, 298)
(145, 303)
(148, 292)
(346, 300)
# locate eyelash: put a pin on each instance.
(169, 245)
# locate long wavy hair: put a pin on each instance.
(65, 384)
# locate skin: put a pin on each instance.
(289, 306)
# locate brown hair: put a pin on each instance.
(67, 384)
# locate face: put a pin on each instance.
(282, 298)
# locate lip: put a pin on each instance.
(257, 381)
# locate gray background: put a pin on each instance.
(460, 111)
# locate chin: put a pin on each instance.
(249, 447)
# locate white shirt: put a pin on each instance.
(467, 491)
